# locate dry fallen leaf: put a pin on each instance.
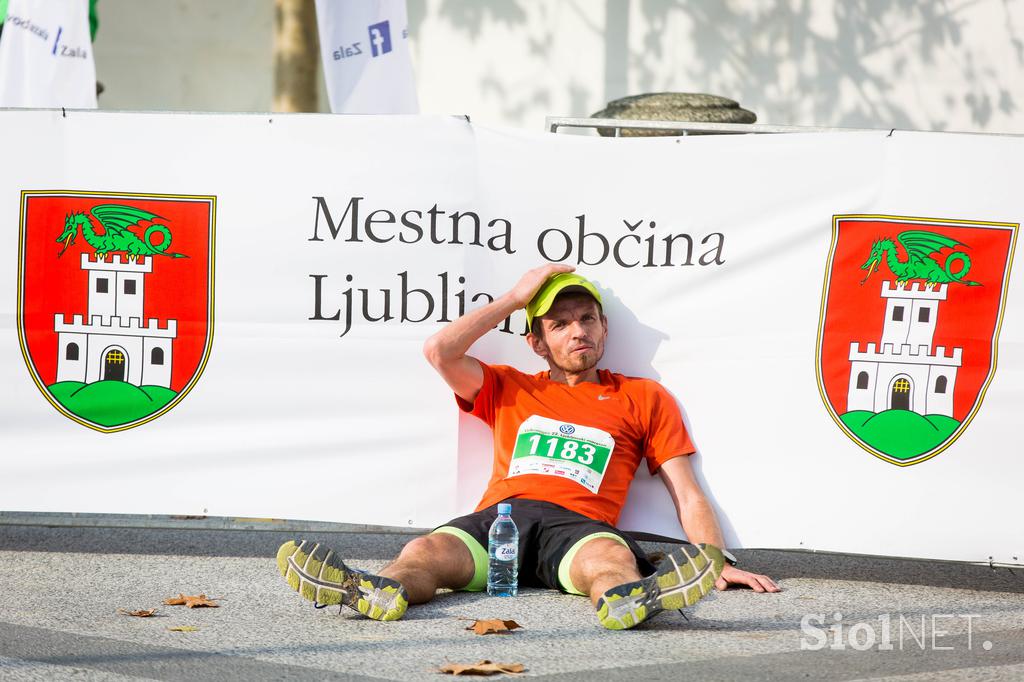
(184, 628)
(190, 601)
(481, 668)
(141, 613)
(494, 625)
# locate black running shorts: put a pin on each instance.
(549, 537)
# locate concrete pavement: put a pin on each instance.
(62, 587)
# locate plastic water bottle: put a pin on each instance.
(503, 548)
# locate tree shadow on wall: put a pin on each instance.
(794, 60)
(469, 16)
(475, 18)
(829, 60)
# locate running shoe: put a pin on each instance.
(682, 578)
(320, 576)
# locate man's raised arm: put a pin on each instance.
(446, 350)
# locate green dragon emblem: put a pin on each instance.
(116, 236)
(921, 248)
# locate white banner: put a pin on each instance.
(836, 313)
(46, 55)
(365, 51)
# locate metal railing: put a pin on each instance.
(554, 123)
(685, 128)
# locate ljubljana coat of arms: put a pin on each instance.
(115, 301)
(908, 335)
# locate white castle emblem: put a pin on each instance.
(905, 374)
(114, 344)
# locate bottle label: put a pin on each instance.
(553, 448)
(507, 552)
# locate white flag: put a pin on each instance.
(46, 55)
(365, 50)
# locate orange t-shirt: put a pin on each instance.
(576, 446)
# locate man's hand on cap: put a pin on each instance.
(528, 285)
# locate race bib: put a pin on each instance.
(553, 448)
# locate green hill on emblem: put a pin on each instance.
(110, 403)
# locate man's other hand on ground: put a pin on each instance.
(734, 576)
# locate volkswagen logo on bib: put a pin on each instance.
(567, 429)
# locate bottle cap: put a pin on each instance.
(504, 508)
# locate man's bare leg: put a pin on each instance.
(427, 563)
(600, 565)
(431, 562)
(607, 571)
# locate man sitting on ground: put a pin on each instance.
(567, 443)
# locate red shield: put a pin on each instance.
(909, 329)
(115, 301)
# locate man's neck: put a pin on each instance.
(590, 376)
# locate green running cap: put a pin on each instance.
(560, 283)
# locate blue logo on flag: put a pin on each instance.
(380, 38)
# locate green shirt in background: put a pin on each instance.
(94, 22)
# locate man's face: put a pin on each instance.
(573, 334)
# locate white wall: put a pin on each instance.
(202, 55)
(922, 64)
